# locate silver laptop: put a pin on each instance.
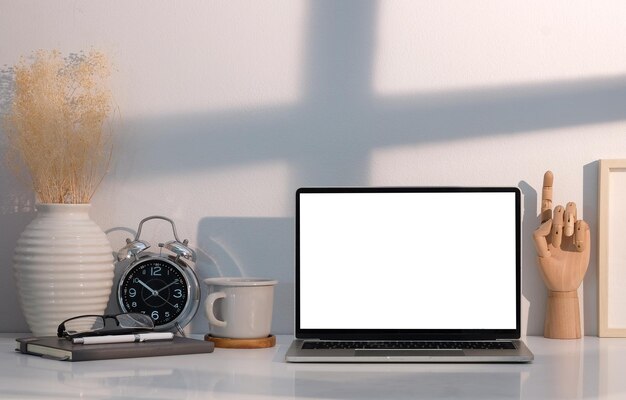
(408, 274)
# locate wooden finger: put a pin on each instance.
(557, 226)
(569, 219)
(540, 239)
(580, 233)
(546, 196)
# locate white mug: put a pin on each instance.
(245, 308)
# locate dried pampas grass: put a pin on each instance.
(55, 124)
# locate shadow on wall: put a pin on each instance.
(590, 211)
(331, 143)
(328, 136)
(533, 288)
(13, 221)
(249, 247)
(16, 212)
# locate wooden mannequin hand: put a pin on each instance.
(562, 243)
(563, 247)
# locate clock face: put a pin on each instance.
(155, 287)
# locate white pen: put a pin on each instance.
(137, 337)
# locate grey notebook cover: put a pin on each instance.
(64, 350)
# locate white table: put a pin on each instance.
(591, 368)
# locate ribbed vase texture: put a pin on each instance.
(63, 267)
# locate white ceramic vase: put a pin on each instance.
(63, 267)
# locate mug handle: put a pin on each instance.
(208, 308)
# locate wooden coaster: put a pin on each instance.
(227, 343)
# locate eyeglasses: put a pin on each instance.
(94, 325)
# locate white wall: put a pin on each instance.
(227, 107)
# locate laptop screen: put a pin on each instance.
(407, 262)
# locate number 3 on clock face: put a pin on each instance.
(156, 287)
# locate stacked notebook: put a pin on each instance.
(64, 350)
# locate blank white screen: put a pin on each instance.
(408, 260)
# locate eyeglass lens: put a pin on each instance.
(135, 320)
(88, 323)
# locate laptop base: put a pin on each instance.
(520, 354)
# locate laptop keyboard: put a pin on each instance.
(402, 345)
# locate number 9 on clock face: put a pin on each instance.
(159, 288)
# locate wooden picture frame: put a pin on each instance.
(612, 248)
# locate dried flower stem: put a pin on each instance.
(55, 124)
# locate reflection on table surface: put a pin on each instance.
(588, 368)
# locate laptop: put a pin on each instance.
(408, 274)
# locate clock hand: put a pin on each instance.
(165, 300)
(166, 286)
(156, 292)
(152, 291)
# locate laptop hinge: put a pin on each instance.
(408, 340)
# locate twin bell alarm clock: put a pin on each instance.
(161, 285)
